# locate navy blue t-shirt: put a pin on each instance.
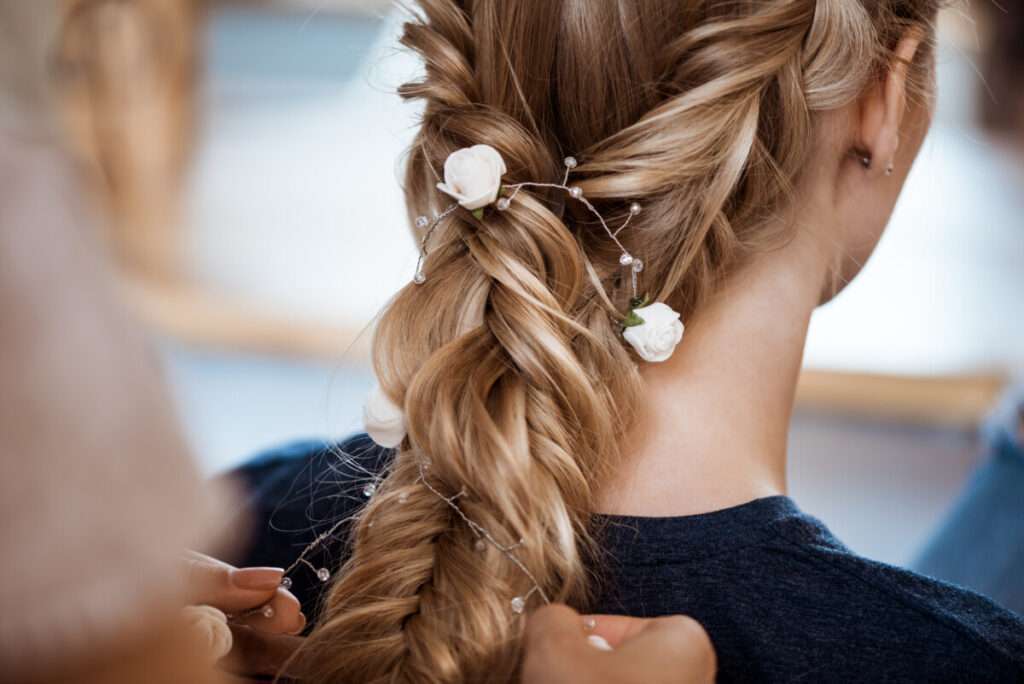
(781, 598)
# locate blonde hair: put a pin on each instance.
(125, 72)
(509, 360)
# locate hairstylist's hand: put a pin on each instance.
(559, 650)
(241, 592)
(260, 645)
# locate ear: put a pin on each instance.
(882, 106)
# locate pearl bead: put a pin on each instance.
(637, 265)
(571, 163)
(635, 208)
(369, 490)
(504, 203)
(518, 605)
(286, 582)
(419, 278)
(267, 612)
(480, 545)
(576, 192)
(589, 624)
(626, 259)
(323, 574)
(422, 222)
(403, 497)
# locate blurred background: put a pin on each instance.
(261, 289)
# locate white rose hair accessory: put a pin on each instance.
(654, 330)
(472, 175)
(383, 420)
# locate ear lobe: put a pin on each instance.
(883, 106)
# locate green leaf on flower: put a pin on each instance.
(632, 320)
(638, 302)
(479, 213)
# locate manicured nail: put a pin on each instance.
(599, 643)
(257, 579)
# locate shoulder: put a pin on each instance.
(292, 493)
(314, 478)
(914, 607)
(312, 457)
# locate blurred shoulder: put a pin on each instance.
(352, 458)
(293, 493)
(295, 490)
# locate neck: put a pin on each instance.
(713, 432)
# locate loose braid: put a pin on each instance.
(508, 360)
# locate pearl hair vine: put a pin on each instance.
(473, 179)
(482, 536)
(472, 176)
(385, 424)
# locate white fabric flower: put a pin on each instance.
(212, 625)
(472, 176)
(656, 338)
(383, 421)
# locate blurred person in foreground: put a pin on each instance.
(98, 494)
(89, 549)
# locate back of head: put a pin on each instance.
(508, 360)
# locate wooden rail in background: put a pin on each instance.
(197, 317)
(958, 401)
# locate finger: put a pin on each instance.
(677, 642)
(282, 614)
(557, 648)
(253, 596)
(554, 624)
(258, 654)
(615, 629)
(211, 582)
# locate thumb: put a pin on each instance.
(616, 629)
(554, 626)
(677, 642)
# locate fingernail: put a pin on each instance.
(599, 643)
(257, 579)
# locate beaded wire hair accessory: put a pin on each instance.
(483, 539)
(472, 176)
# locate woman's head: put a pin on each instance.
(719, 117)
